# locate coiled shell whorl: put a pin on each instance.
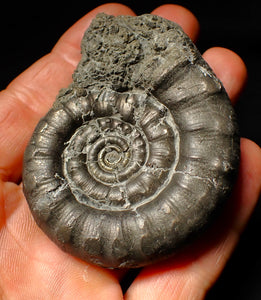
(137, 154)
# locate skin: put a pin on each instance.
(31, 266)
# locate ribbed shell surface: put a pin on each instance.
(137, 154)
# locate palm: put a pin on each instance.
(32, 267)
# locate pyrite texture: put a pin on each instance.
(138, 152)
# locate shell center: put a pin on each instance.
(110, 158)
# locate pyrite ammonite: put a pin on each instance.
(137, 154)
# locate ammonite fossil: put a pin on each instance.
(136, 155)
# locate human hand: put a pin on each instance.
(31, 266)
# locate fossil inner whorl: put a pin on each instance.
(125, 158)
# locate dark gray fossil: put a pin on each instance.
(137, 154)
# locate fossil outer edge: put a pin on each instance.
(137, 154)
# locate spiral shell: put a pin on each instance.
(137, 154)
